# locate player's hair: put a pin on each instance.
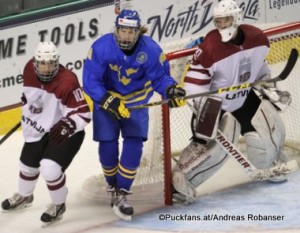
(143, 30)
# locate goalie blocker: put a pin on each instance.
(205, 125)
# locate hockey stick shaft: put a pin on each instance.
(254, 173)
(234, 152)
(282, 76)
(8, 134)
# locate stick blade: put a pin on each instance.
(290, 64)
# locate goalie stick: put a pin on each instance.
(282, 76)
(7, 135)
(254, 173)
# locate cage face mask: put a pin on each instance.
(127, 29)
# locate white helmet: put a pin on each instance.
(46, 52)
(227, 8)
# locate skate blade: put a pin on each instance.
(46, 224)
(17, 208)
(120, 215)
(179, 202)
(181, 199)
(278, 179)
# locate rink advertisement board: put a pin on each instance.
(73, 33)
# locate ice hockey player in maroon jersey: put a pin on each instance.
(54, 115)
(231, 55)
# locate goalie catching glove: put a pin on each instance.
(114, 105)
(280, 99)
(173, 92)
(63, 129)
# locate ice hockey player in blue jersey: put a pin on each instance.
(123, 69)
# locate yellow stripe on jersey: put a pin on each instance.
(135, 96)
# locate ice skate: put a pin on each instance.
(180, 199)
(279, 177)
(121, 206)
(53, 214)
(17, 202)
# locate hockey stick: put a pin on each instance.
(7, 135)
(282, 76)
(254, 173)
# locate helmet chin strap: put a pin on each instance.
(238, 38)
(46, 78)
(129, 52)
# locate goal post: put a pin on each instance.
(169, 129)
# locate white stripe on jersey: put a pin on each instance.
(230, 70)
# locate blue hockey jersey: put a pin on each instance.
(131, 78)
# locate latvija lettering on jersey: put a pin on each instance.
(28, 121)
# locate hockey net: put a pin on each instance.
(169, 130)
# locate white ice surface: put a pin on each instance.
(227, 193)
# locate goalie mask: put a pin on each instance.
(46, 61)
(127, 29)
(227, 17)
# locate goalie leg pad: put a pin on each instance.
(257, 151)
(266, 144)
(187, 192)
(199, 162)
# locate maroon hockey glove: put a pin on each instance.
(63, 129)
(173, 92)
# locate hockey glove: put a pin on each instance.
(114, 105)
(280, 99)
(63, 129)
(173, 92)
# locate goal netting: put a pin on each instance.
(169, 130)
